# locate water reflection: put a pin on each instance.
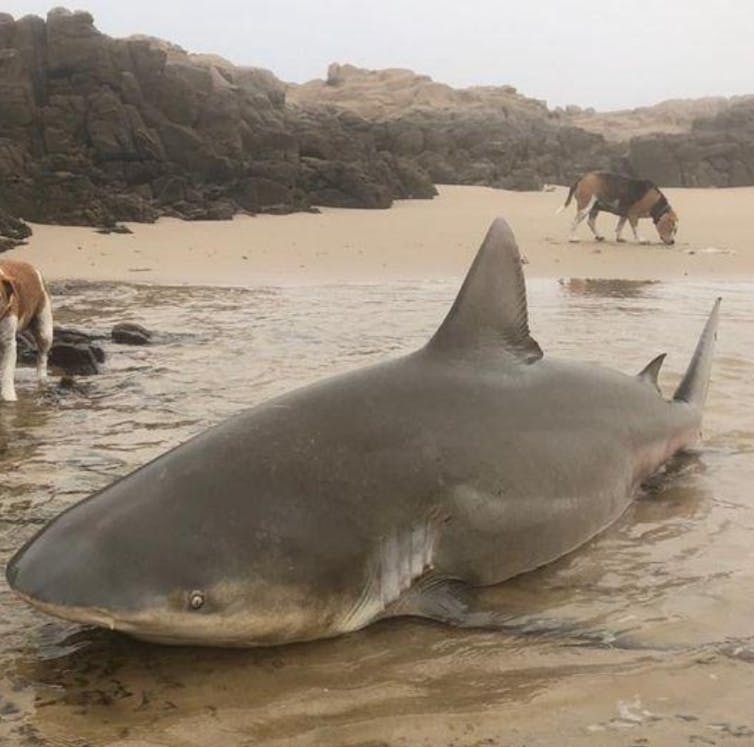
(605, 288)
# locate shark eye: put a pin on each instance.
(196, 600)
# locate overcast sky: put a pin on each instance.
(603, 53)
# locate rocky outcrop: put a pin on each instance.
(497, 137)
(95, 130)
(718, 151)
(481, 135)
(670, 117)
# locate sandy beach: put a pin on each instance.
(417, 239)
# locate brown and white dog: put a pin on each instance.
(24, 303)
(624, 196)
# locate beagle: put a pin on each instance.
(628, 198)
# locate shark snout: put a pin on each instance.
(43, 573)
(67, 568)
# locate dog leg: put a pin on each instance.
(619, 229)
(634, 223)
(581, 213)
(592, 223)
(42, 331)
(8, 327)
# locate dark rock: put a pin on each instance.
(718, 152)
(129, 333)
(74, 359)
(407, 179)
(341, 184)
(13, 229)
(169, 190)
(73, 351)
(258, 192)
(220, 209)
(654, 159)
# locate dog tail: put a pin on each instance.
(568, 199)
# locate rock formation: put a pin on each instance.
(95, 130)
(717, 151)
(481, 135)
(497, 137)
(73, 352)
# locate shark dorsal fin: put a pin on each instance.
(651, 371)
(489, 313)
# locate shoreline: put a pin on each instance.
(413, 240)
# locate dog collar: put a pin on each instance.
(659, 209)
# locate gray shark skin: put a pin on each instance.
(382, 492)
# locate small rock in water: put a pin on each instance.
(64, 335)
(72, 351)
(74, 360)
(129, 333)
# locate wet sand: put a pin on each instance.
(416, 239)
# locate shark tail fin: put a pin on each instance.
(693, 386)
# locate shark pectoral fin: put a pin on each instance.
(436, 598)
(490, 311)
(454, 602)
(651, 371)
(447, 601)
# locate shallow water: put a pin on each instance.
(673, 578)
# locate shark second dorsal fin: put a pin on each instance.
(490, 311)
(651, 371)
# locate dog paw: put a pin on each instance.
(599, 238)
(620, 241)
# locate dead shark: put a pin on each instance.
(382, 492)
